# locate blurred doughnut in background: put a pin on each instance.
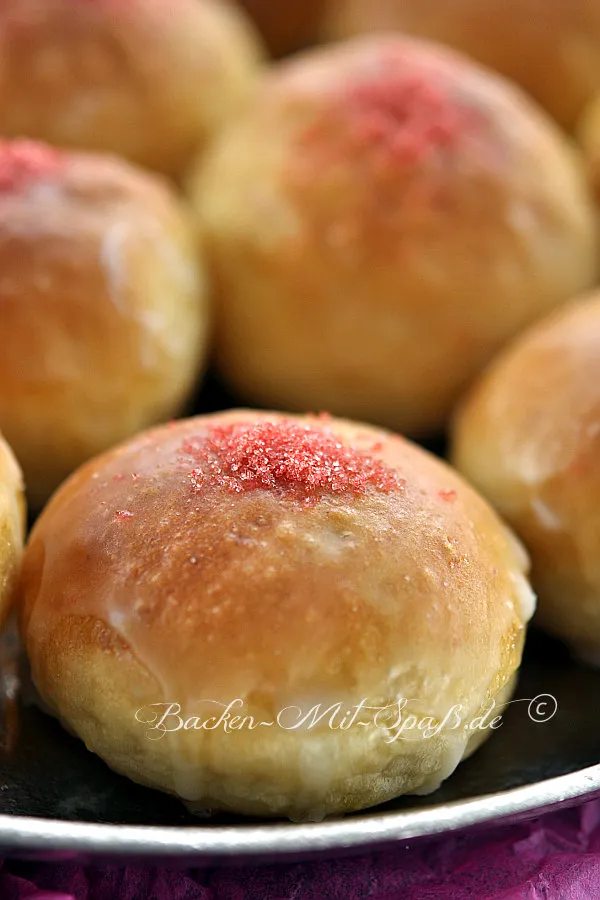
(103, 315)
(145, 79)
(12, 528)
(286, 25)
(382, 219)
(528, 436)
(550, 47)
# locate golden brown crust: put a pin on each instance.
(103, 313)
(12, 525)
(382, 220)
(145, 79)
(588, 133)
(549, 47)
(135, 581)
(528, 436)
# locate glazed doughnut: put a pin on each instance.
(528, 436)
(381, 220)
(550, 47)
(146, 79)
(12, 525)
(103, 308)
(289, 563)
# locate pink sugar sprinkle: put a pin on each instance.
(449, 496)
(401, 108)
(297, 460)
(23, 162)
(407, 111)
(123, 514)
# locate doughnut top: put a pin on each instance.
(403, 100)
(408, 112)
(288, 458)
(24, 162)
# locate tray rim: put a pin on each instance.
(359, 833)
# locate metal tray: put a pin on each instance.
(57, 800)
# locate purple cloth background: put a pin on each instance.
(555, 857)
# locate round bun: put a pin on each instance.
(12, 525)
(379, 222)
(288, 564)
(146, 79)
(529, 437)
(285, 26)
(102, 307)
(550, 47)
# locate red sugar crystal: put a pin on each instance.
(408, 112)
(23, 162)
(297, 460)
(449, 496)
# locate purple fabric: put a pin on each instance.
(556, 857)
